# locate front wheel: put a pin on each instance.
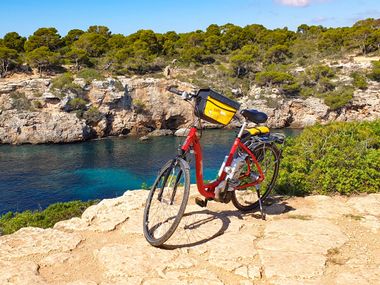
(166, 202)
(268, 156)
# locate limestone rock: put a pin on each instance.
(159, 133)
(218, 245)
(369, 204)
(287, 242)
(28, 241)
(20, 273)
(106, 215)
(120, 260)
(41, 127)
(182, 132)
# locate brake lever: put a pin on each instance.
(185, 95)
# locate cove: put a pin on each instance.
(35, 176)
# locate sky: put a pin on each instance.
(126, 16)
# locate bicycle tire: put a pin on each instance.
(259, 151)
(149, 227)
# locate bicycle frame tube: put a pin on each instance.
(207, 190)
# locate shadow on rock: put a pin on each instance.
(198, 227)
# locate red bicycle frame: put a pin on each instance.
(208, 190)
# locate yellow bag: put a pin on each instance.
(214, 107)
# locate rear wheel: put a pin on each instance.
(268, 156)
(166, 202)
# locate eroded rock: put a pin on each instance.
(28, 241)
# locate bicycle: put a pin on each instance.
(246, 177)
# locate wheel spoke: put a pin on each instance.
(166, 203)
(267, 158)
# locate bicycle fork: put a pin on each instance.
(172, 166)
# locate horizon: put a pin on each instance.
(168, 15)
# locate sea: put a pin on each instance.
(35, 176)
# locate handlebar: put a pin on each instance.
(174, 90)
(184, 95)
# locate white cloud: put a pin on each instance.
(295, 3)
(299, 3)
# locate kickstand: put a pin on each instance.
(260, 202)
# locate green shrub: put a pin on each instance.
(139, 105)
(339, 158)
(119, 86)
(11, 222)
(307, 92)
(375, 72)
(92, 115)
(37, 104)
(64, 82)
(359, 81)
(267, 78)
(19, 101)
(291, 89)
(89, 74)
(145, 186)
(325, 85)
(320, 71)
(338, 98)
(77, 104)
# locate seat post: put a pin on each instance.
(242, 129)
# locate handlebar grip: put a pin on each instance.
(174, 90)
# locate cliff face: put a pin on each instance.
(38, 115)
(32, 112)
(312, 240)
(299, 113)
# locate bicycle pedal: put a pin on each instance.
(200, 202)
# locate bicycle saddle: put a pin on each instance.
(254, 116)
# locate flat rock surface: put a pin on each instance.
(312, 240)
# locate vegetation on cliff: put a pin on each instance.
(226, 57)
(246, 48)
(341, 158)
(11, 222)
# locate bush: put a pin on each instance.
(291, 89)
(11, 222)
(37, 104)
(92, 115)
(19, 101)
(89, 74)
(139, 105)
(338, 98)
(267, 78)
(119, 86)
(318, 74)
(325, 85)
(307, 92)
(320, 71)
(77, 104)
(359, 81)
(339, 158)
(375, 72)
(64, 82)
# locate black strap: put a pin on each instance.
(221, 107)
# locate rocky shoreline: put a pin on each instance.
(310, 240)
(141, 106)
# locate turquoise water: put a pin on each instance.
(34, 176)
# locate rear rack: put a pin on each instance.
(277, 138)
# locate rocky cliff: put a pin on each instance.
(32, 111)
(312, 240)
